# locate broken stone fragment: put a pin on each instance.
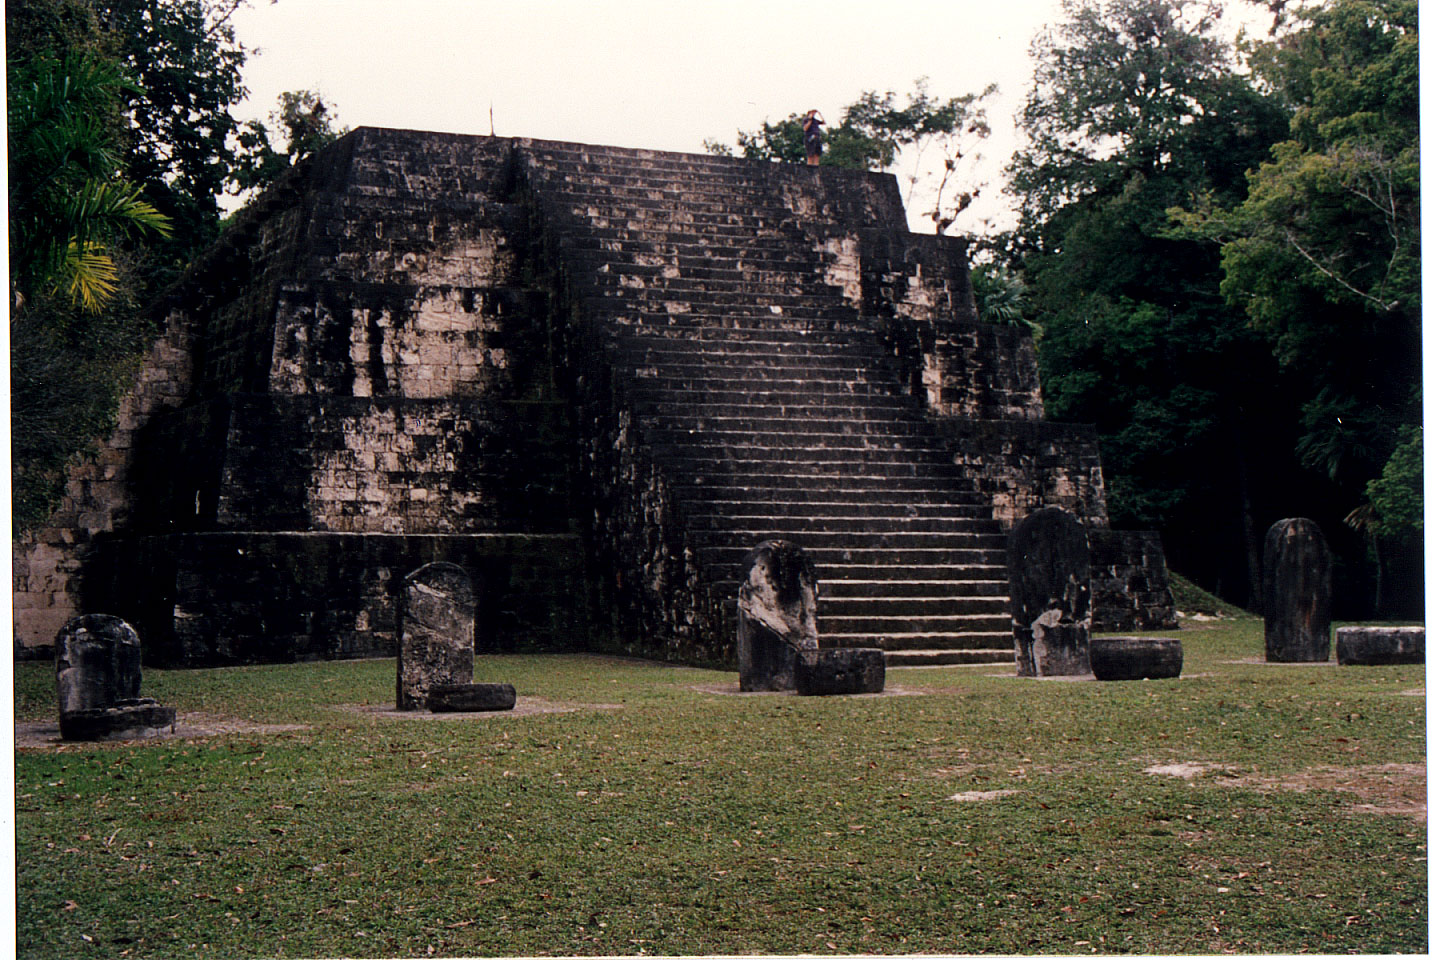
(97, 682)
(470, 697)
(776, 616)
(1375, 646)
(1296, 592)
(841, 670)
(437, 633)
(1049, 561)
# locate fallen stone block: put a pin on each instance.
(1378, 646)
(1135, 658)
(841, 670)
(470, 697)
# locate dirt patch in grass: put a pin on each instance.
(980, 796)
(1262, 662)
(1397, 788)
(732, 689)
(1183, 770)
(45, 734)
(524, 707)
(1393, 788)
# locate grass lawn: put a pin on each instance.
(1243, 807)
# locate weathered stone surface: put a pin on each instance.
(776, 616)
(437, 633)
(841, 670)
(97, 663)
(470, 697)
(1049, 560)
(1375, 646)
(97, 681)
(1129, 582)
(1296, 592)
(136, 719)
(420, 335)
(1135, 658)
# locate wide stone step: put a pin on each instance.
(947, 657)
(649, 398)
(911, 574)
(959, 505)
(834, 587)
(778, 527)
(725, 310)
(842, 474)
(778, 338)
(904, 633)
(816, 541)
(877, 410)
(763, 382)
(712, 274)
(983, 597)
(665, 231)
(875, 430)
(781, 487)
(583, 248)
(979, 640)
(810, 434)
(897, 558)
(676, 357)
(697, 213)
(678, 318)
(809, 459)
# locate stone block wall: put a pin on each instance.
(1129, 584)
(1024, 465)
(47, 565)
(208, 599)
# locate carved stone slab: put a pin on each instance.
(1376, 646)
(776, 616)
(1049, 560)
(97, 682)
(1296, 592)
(437, 633)
(1135, 658)
(842, 670)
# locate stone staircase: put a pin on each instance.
(767, 400)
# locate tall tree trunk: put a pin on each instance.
(1247, 526)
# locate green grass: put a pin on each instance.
(684, 820)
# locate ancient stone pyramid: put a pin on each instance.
(595, 377)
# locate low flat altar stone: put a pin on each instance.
(126, 720)
(1377, 646)
(1135, 658)
(841, 670)
(470, 697)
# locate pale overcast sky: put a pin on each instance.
(659, 74)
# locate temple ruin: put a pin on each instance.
(592, 377)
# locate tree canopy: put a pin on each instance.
(942, 136)
(1222, 245)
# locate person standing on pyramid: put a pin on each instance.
(810, 126)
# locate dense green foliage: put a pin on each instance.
(965, 812)
(121, 140)
(305, 122)
(1225, 264)
(941, 134)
